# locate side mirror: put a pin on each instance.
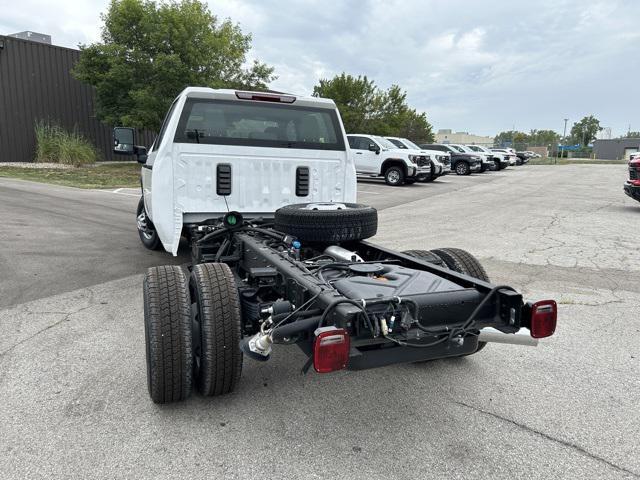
(374, 148)
(123, 141)
(141, 154)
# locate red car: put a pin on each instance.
(632, 186)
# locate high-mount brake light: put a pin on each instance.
(544, 315)
(266, 97)
(330, 349)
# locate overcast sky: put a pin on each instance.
(478, 66)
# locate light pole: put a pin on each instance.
(564, 133)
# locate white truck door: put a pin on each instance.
(366, 161)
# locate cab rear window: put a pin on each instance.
(256, 124)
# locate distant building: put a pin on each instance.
(616, 148)
(464, 138)
(33, 36)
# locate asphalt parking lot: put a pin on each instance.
(72, 369)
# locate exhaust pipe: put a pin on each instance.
(521, 337)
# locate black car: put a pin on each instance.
(461, 163)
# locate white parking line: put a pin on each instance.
(119, 191)
(372, 193)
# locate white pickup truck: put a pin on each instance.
(440, 161)
(375, 156)
(262, 186)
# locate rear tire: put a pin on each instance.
(425, 256)
(394, 176)
(462, 261)
(217, 363)
(167, 325)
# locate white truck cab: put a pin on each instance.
(375, 156)
(511, 157)
(487, 161)
(250, 152)
(440, 161)
(501, 160)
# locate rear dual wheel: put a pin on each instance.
(192, 331)
(454, 259)
(216, 329)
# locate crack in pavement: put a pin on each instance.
(546, 436)
(42, 330)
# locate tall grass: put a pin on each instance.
(54, 144)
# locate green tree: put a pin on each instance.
(585, 131)
(365, 108)
(415, 127)
(510, 137)
(357, 98)
(631, 134)
(543, 138)
(151, 51)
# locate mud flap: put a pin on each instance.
(167, 212)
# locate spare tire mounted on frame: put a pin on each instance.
(327, 222)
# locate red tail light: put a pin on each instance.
(266, 97)
(544, 315)
(331, 349)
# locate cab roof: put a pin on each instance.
(230, 94)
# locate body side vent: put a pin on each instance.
(302, 181)
(223, 179)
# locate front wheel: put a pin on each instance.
(462, 168)
(146, 230)
(394, 176)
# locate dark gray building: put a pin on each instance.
(616, 148)
(33, 36)
(36, 84)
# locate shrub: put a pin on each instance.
(54, 144)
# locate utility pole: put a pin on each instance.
(564, 134)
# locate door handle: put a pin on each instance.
(358, 153)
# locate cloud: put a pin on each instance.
(476, 66)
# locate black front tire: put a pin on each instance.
(167, 326)
(462, 168)
(394, 176)
(146, 229)
(217, 329)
